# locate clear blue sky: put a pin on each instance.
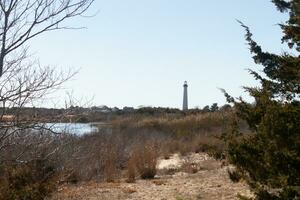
(139, 52)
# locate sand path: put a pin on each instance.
(211, 182)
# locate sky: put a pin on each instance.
(140, 52)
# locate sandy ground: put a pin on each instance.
(176, 181)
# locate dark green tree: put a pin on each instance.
(269, 158)
(214, 107)
(206, 109)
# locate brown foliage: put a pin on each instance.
(110, 162)
(145, 159)
(31, 181)
(131, 171)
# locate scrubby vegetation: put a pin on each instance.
(133, 144)
(34, 180)
(127, 148)
(145, 160)
(260, 138)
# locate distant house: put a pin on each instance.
(115, 109)
(128, 109)
(103, 109)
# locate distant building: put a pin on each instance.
(128, 109)
(102, 109)
(115, 109)
(185, 97)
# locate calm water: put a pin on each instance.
(73, 128)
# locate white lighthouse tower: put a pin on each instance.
(185, 97)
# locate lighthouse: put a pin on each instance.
(185, 96)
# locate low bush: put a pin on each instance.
(34, 180)
(145, 159)
(190, 167)
(71, 178)
(216, 153)
(234, 175)
(110, 165)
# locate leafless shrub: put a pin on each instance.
(96, 156)
(145, 159)
(24, 141)
(68, 177)
(131, 173)
(110, 164)
(88, 157)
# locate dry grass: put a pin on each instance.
(178, 125)
(210, 165)
(159, 182)
(211, 184)
(145, 160)
(180, 133)
(129, 190)
(190, 167)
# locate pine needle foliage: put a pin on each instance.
(269, 159)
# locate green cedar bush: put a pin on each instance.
(269, 158)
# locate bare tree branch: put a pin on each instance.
(23, 80)
(21, 21)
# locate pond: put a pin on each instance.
(73, 128)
